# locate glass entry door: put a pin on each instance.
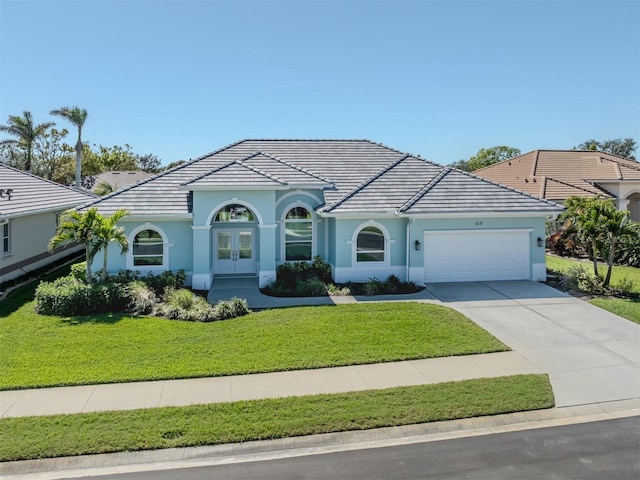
(234, 251)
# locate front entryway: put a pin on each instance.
(234, 251)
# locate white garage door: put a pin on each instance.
(474, 255)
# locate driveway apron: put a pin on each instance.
(591, 355)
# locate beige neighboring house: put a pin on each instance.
(30, 208)
(117, 179)
(559, 174)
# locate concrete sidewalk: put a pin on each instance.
(129, 396)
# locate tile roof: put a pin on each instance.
(558, 174)
(116, 178)
(355, 176)
(32, 194)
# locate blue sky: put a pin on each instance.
(441, 79)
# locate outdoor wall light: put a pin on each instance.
(540, 242)
(417, 244)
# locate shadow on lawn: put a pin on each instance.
(99, 319)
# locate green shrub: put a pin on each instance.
(68, 296)
(392, 285)
(239, 307)
(79, 271)
(578, 277)
(142, 299)
(373, 286)
(336, 291)
(321, 269)
(181, 298)
(167, 279)
(314, 287)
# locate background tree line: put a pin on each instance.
(44, 150)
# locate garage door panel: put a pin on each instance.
(456, 256)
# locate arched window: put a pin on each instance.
(234, 213)
(298, 237)
(370, 245)
(148, 249)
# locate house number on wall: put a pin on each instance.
(478, 223)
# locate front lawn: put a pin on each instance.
(561, 264)
(39, 351)
(624, 307)
(63, 435)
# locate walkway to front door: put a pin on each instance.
(234, 251)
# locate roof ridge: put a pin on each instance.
(260, 172)
(238, 162)
(510, 188)
(577, 187)
(36, 177)
(364, 184)
(423, 191)
(633, 166)
(291, 165)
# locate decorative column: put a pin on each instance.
(202, 264)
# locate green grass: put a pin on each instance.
(624, 307)
(63, 435)
(39, 351)
(560, 264)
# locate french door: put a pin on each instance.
(234, 251)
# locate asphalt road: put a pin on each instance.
(606, 450)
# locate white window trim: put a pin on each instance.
(6, 225)
(283, 230)
(354, 244)
(165, 250)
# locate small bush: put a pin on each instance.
(142, 299)
(373, 286)
(79, 271)
(336, 291)
(181, 298)
(239, 307)
(578, 277)
(624, 288)
(392, 285)
(67, 296)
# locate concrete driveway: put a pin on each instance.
(591, 355)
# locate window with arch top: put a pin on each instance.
(370, 245)
(298, 236)
(148, 248)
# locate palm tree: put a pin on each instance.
(104, 188)
(617, 227)
(79, 227)
(27, 132)
(586, 215)
(77, 116)
(108, 232)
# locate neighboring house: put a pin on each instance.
(366, 209)
(28, 219)
(559, 174)
(117, 179)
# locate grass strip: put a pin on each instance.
(562, 264)
(40, 351)
(149, 429)
(624, 307)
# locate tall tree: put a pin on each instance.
(486, 157)
(623, 147)
(618, 227)
(79, 227)
(27, 133)
(109, 232)
(51, 156)
(77, 116)
(149, 163)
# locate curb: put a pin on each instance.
(145, 461)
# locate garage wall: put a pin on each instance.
(536, 226)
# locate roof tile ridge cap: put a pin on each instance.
(36, 177)
(534, 166)
(512, 189)
(501, 161)
(577, 187)
(260, 172)
(364, 184)
(202, 175)
(543, 187)
(633, 165)
(294, 166)
(379, 144)
(428, 186)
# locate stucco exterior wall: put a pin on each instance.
(29, 240)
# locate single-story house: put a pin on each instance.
(366, 209)
(116, 178)
(559, 174)
(30, 208)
